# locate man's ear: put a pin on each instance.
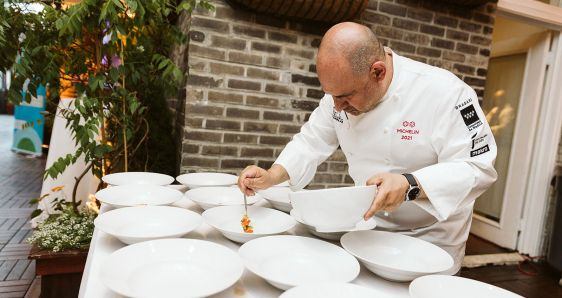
(378, 70)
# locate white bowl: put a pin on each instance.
(395, 256)
(143, 223)
(209, 197)
(361, 226)
(171, 268)
(265, 221)
(333, 208)
(333, 290)
(138, 194)
(445, 286)
(195, 180)
(124, 178)
(287, 261)
(278, 197)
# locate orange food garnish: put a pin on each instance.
(57, 188)
(246, 224)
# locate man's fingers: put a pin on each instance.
(377, 205)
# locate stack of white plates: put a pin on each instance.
(287, 261)
(195, 180)
(137, 178)
(330, 235)
(445, 286)
(208, 197)
(138, 194)
(171, 268)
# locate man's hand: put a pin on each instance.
(255, 178)
(390, 195)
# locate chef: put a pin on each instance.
(414, 130)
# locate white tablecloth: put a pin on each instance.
(249, 285)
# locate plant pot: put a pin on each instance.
(61, 272)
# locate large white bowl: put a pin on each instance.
(138, 194)
(171, 268)
(287, 261)
(143, 223)
(445, 286)
(361, 226)
(333, 290)
(333, 208)
(209, 197)
(265, 221)
(278, 197)
(195, 180)
(124, 178)
(395, 256)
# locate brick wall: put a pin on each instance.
(252, 81)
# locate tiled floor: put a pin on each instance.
(20, 181)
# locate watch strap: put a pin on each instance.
(411, 180)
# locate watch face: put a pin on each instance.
(413, 193)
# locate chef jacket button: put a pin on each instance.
(386, 130)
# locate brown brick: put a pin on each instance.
(262, 101)
(300, 53)
(228, 42)
(197, 65)
(488, 30)
(464, 69)
(338, 166)
(242, 113)
(460, 12)
(235, 163)
(417, 58)
(472, 81)
(483, 18)
(470, 27)
(389, 32)
(204, 81)
(428, 52)
(433, 30)
(205, 110)
(210, 24)
(240, 138)
(274, 140)
(436, 6)
(205, 52)
(225, 12)
(485, 52)
(375, 18)
(266, 47)
(197, 161)
(222, 124)
(420, 14)
(275, 62)
(282, 37)
(338, 156)
(309, 27)
(270, 21)
(405, 24)
(289, 129)
(193, 94)
(265, 164)
(410, 3)
(479, 40)
(260, 127)
(392, 9)
(242, 84)
(256, 152)
(453, 56)
(196, 36)
(248, 31)
(281, 89)
(482, 72)
(206, 135)
(479, 93)
(402, 47)
(219, 150)
(312, 68)
(446, 21)
(314, 93)
(244, 58)
(267, 115)
(315, 43)
(193, 122)
(311, 81)
(259, 73)
(328, 178)
(418, 39)
(465, 48)
(442, 43)
(189, 148)
(457, 35)
(348, 179)
(223, 68)
(304, 105)
(225, 97)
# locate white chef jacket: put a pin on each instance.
(429, 123)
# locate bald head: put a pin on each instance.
(351, 43)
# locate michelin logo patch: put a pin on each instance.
(470, 117)
(479, 151)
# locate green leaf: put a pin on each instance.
(35, 213)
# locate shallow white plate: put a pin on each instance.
(137, 178)
(195, 180)
(278, 197)
(171, 268)
(287, 261)
(265, 221)
(445, 286)
(361, 226)
(395, 256)
(143, 223)
(333, 290)
(137, 195)
(208, 197)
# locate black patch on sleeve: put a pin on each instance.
(470, 117)
(479, 151)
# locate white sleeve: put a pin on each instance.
(466, 152)
(315, 142)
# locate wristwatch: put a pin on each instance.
(414, 191)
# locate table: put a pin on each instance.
(248, 286)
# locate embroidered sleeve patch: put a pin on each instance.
(470, 117)
(479, 151)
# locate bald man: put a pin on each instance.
(414, 130)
